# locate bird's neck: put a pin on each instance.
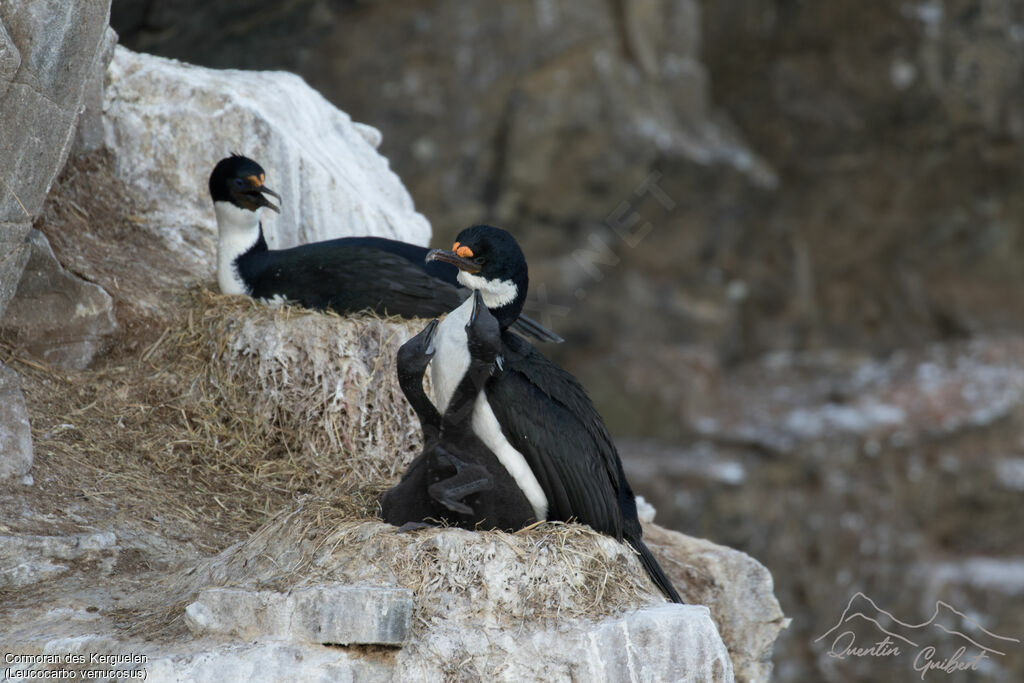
(412, 386)
(238, 232)
(503, 298)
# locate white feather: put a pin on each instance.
(451, 360)
(276, 301)
(496, 293)
(451, 355)
(238, 230)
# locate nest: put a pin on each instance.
(232, 414)
(321, 387)
(538, 576)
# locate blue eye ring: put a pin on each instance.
(239, 183)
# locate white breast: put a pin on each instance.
(451, 360)
(451, 355)
(237, 231)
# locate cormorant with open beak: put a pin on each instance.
(346, 275)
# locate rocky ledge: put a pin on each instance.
(204, 469)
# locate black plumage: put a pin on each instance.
(543, 411)
(346, 275)
(456, 480)
(547, 416)
(346, 279)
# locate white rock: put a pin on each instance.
(270, 662)
(661, 643)
(644, 510)
(336, 614)
(168, 123)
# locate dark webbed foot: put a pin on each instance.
(469, 479)
(413, 526)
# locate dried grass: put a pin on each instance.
(317, 386)
(232, 414)
(489, 579)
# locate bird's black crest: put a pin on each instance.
(226, 170)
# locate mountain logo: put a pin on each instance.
(976, 643)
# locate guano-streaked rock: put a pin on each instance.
(334, 614)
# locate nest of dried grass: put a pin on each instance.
(233, 413)
(489, 579)
(321, 387)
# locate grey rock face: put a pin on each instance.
(56, 315)
(736, 588)
(10, 60)
(89, 137)
(336, 614)
(13, 256)
(541, 107)
(901, 477)
(48, 49)
(58, 43)
(25, 560)
(15, 435)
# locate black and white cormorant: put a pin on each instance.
(534, 416)
(345, 275)
(456, 480)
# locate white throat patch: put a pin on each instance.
(448, 367)
(496, 293)
(238, 230)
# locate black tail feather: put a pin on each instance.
(531, 328)
(655, 571)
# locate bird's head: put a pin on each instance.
(490, 261)
(415, 354)
(239, 181)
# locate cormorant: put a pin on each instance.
(346, 275)
(456, 479)
(533, 415)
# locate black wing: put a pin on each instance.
(348, 279)
(547, 416)
(341, 265)
(413, 253)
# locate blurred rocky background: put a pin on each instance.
(782, 239)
